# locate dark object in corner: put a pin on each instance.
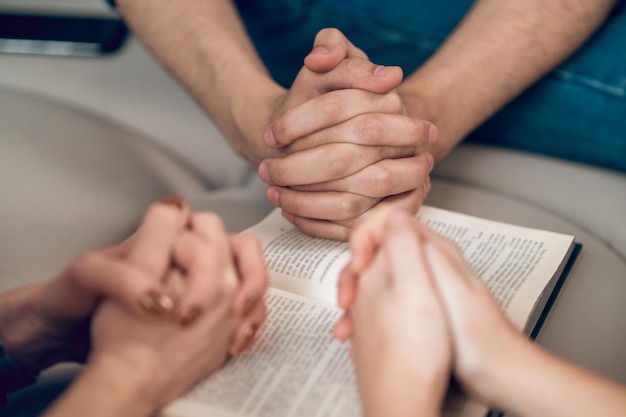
(61, 35)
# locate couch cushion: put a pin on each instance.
(591, 198)
(71, 182)
(132, 89)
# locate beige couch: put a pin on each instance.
(86, 145)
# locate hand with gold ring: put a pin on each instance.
(48, 321)
(151, 315)
(155, 361)
(247, 260)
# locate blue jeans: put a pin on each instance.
(577, 112)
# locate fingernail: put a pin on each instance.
(264, 172)
(433, 134)
(427, 185)
(190, 316)
(175, 201)
(380, 71)
(251, 301)
(270, 140)
(156, 303)
(430, 160)
(273, 195)
(247, 338)
(320, 50)
(288, 216)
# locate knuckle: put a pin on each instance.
(380, 182)
(354, 66)
(332, 104)
(369, 128)
(337, 162)
(351, 206)
(355, 73)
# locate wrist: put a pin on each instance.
(107, 387)
(210, 53)
(128, 386)
(395, 395)
(424, 105)
(251, 113)
(495, 380)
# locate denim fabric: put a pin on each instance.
(577, 112)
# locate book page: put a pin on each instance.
(295, 369)
(298, 369)
(299, 263)
(515, 262)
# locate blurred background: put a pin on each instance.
(75, 28)
(80, 53)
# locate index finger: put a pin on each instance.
(404, 248)
(204, 255)
(366, 239)
(327, 110)
(150, 248)
(250, 263)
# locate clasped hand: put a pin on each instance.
(417, 314)
(170, 303)
(346, 141)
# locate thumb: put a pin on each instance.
(329, 49)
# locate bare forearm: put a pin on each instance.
(402, 393)
(496, 52)
(205, 46)
(23, 333)
(106, 389)
(535, 383)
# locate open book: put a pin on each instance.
(297, 369)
